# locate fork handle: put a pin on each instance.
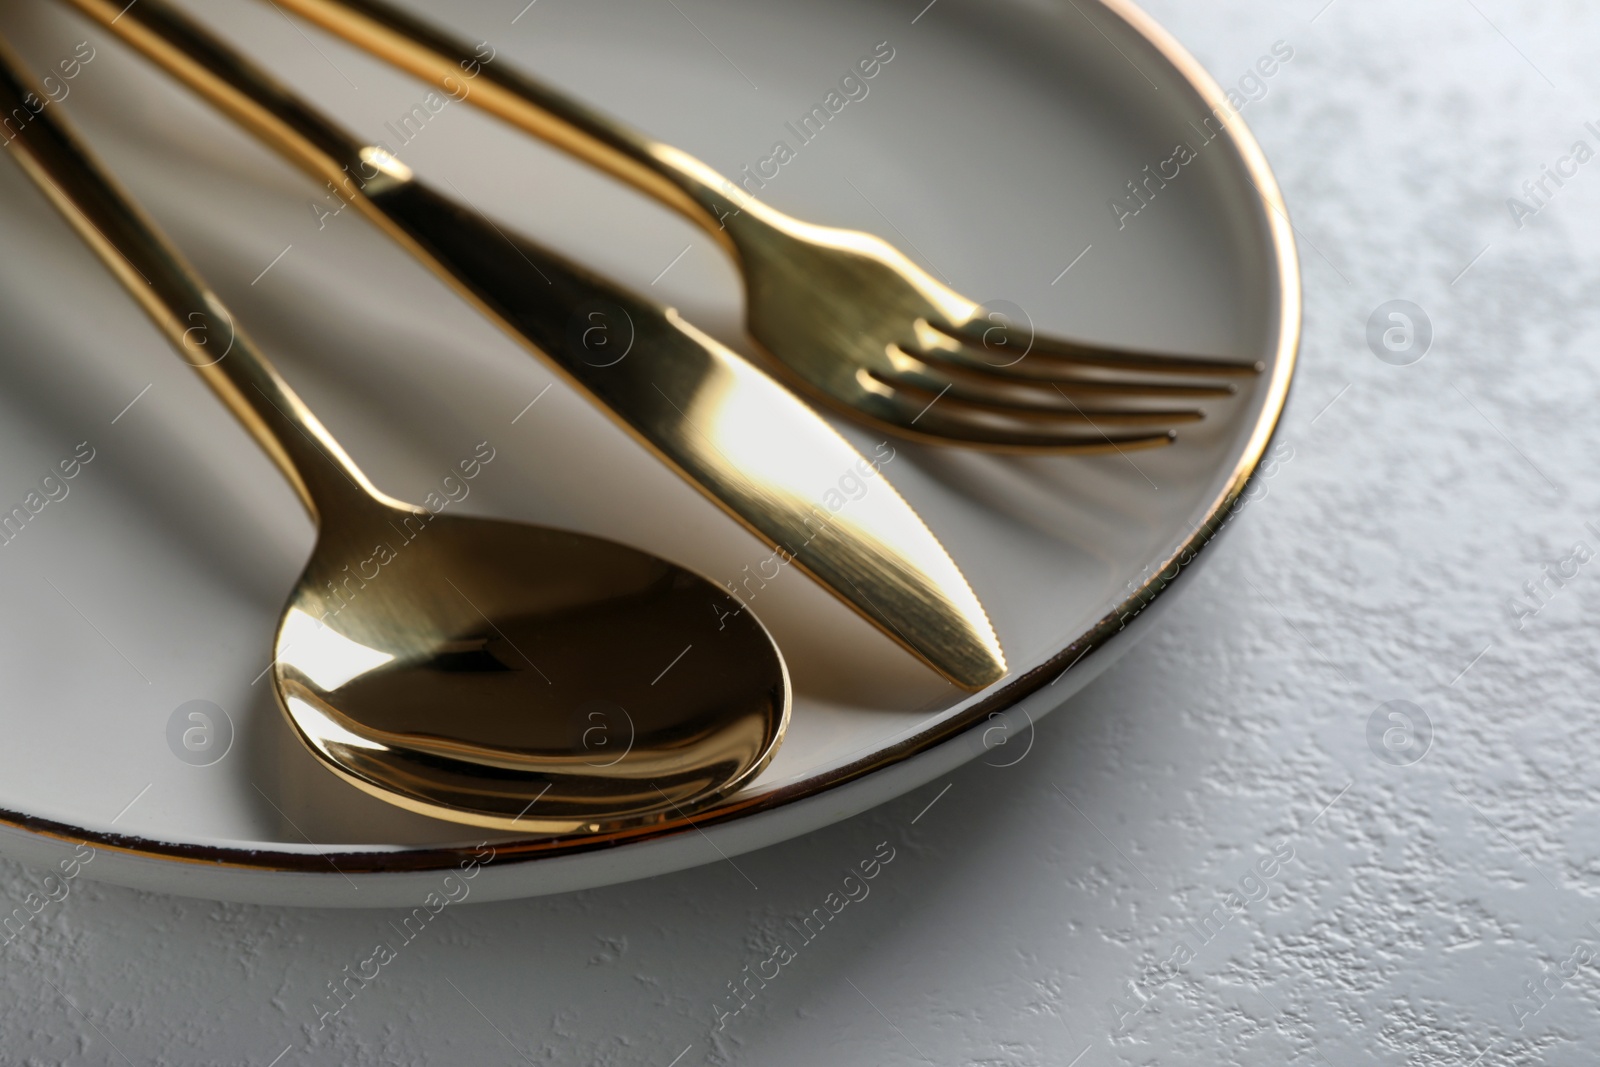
(724, 209)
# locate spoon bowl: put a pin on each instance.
(523, 678)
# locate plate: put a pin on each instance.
(1068, 159)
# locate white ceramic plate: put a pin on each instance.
(991, 147)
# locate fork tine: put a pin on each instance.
(1054, 356)
(924, 386)
(1037, 416)
(955, 432)
(912, 407)
(1050, 388)
(955, 422)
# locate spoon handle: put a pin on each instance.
(192, 317)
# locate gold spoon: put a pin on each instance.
(493, 673)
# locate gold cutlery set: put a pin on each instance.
(464, 681)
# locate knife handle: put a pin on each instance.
(579, 322)
(229, 80)
(725, 210)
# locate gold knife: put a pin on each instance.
(721, 423)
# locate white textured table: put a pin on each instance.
(1213, 855)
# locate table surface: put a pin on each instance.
(1237, 847)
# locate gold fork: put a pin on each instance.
(846, 317)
